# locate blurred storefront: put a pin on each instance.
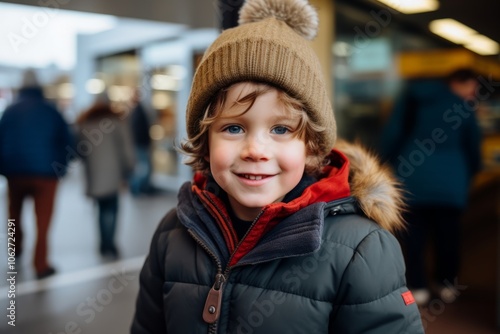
(167, 71)
(113, 55)
(367, 52)
(374, 53)
(158, 63)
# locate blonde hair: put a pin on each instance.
(196, 148)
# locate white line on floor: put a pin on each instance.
(84, 275)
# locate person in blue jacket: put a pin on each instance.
(432, 139)
(140, 180)
(283, 229)
(36, 146)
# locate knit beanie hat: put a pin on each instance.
(271, 46)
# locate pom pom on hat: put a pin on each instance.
(297, 14)
(269, 46)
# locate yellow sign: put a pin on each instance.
(440, 63)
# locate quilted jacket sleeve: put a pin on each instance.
(371, 291)
(149, 316)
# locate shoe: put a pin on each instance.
(421, 296)
(46, 273)
(109, 252)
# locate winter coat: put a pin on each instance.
(139, 124)
(316, 264)
(35, 140)
(439, 152)
(107, 151)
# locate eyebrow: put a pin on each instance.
(288, 116)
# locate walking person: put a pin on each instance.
(34, 142)
(433, 141)
(140, 181)
(108, 163)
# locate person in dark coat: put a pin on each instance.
(35, 149)
(140, 181)
(279, 232)
(108, 162)
(433, 141)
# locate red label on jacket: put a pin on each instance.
(408, 298)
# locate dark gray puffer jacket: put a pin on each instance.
(326, 268)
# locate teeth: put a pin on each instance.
(253, 177)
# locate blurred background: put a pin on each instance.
(368, 48)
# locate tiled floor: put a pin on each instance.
(92, 295)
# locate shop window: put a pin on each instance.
(165, 82)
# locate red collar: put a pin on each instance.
(332, 186)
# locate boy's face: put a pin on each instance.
(255, 156)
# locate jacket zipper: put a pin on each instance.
(213, 303)
(226, 272)
(211, 311)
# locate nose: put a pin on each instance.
(255, 148)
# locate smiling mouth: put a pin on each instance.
(253, 177)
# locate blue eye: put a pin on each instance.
(280, 130)
(233, 129)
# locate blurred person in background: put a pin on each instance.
(433, 140)
(34, 142)
(140, 182)
(108, 160)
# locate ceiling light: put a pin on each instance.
(452, 30)
(412, 6)
(459, 33)
(482, 45)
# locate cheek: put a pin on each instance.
(295, 158)
(218, 158)
(212, 148)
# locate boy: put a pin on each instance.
(267, 238)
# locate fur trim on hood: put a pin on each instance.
(378, 192)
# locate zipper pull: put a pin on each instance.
(212, 307)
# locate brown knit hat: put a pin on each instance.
(268, 46)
